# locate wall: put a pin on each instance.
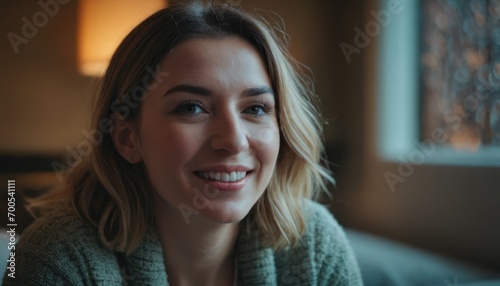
(45, 101)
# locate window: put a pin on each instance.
(439, 85)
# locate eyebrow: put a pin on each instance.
(199, 90)
(258, 91)
(188, 88)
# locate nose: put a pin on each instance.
(229, 134)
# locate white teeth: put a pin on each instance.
(223, 176)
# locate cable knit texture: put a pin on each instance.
(59, 249)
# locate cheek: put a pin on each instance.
(166, 147)
(267, 142)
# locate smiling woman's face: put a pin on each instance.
(208, 134)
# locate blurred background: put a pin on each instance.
(410, 91)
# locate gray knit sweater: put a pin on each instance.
(59, 249)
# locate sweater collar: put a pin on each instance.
(146, 266)
(256, 265)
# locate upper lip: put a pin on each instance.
(225, 168)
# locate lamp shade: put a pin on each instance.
(102, 26)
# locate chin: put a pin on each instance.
(224, 214)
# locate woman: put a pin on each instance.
(208, 157)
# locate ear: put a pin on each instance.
(125, 139)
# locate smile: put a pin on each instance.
(222, 176)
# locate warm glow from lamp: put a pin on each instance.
(102, 26)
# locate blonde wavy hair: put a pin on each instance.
(113, 195)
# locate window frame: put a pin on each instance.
(399, 93)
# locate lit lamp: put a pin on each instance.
(102, 26)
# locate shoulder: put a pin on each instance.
(56, 233)
(318, 215)
(57, 225)
(322, 253)
(58, 247)
(322, 228)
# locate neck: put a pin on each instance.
(201, 247)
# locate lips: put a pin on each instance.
(225, 178)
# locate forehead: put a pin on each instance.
(217, 45)
(228, 57)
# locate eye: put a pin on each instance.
(259, 109)
(190, 107)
